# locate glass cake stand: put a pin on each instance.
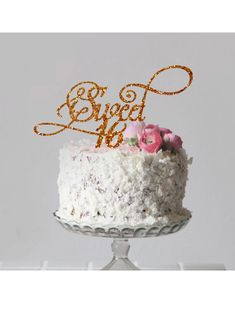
(120, 245)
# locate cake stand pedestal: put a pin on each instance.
(120, 261)
(120, 245)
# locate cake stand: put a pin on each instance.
(120, 245)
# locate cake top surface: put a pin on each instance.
(138, 137)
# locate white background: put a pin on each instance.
(37, 70)
(196, 301)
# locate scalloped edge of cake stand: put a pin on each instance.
(141, 231)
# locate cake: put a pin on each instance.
(141, 182)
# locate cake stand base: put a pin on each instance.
(120, 261)
(120, 236)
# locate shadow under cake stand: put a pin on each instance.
(120, 245)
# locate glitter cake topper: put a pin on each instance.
(127, 109)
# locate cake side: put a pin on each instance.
(122, 186)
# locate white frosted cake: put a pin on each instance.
(140, 182)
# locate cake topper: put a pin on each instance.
(126, 109)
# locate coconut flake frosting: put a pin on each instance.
(122, 187)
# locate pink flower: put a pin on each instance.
(164, 131)
(134, 130)
(150, 140)
(172, 141)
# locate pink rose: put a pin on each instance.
(164, 131)
(172, 141)
(150, 140)
(134, 130)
